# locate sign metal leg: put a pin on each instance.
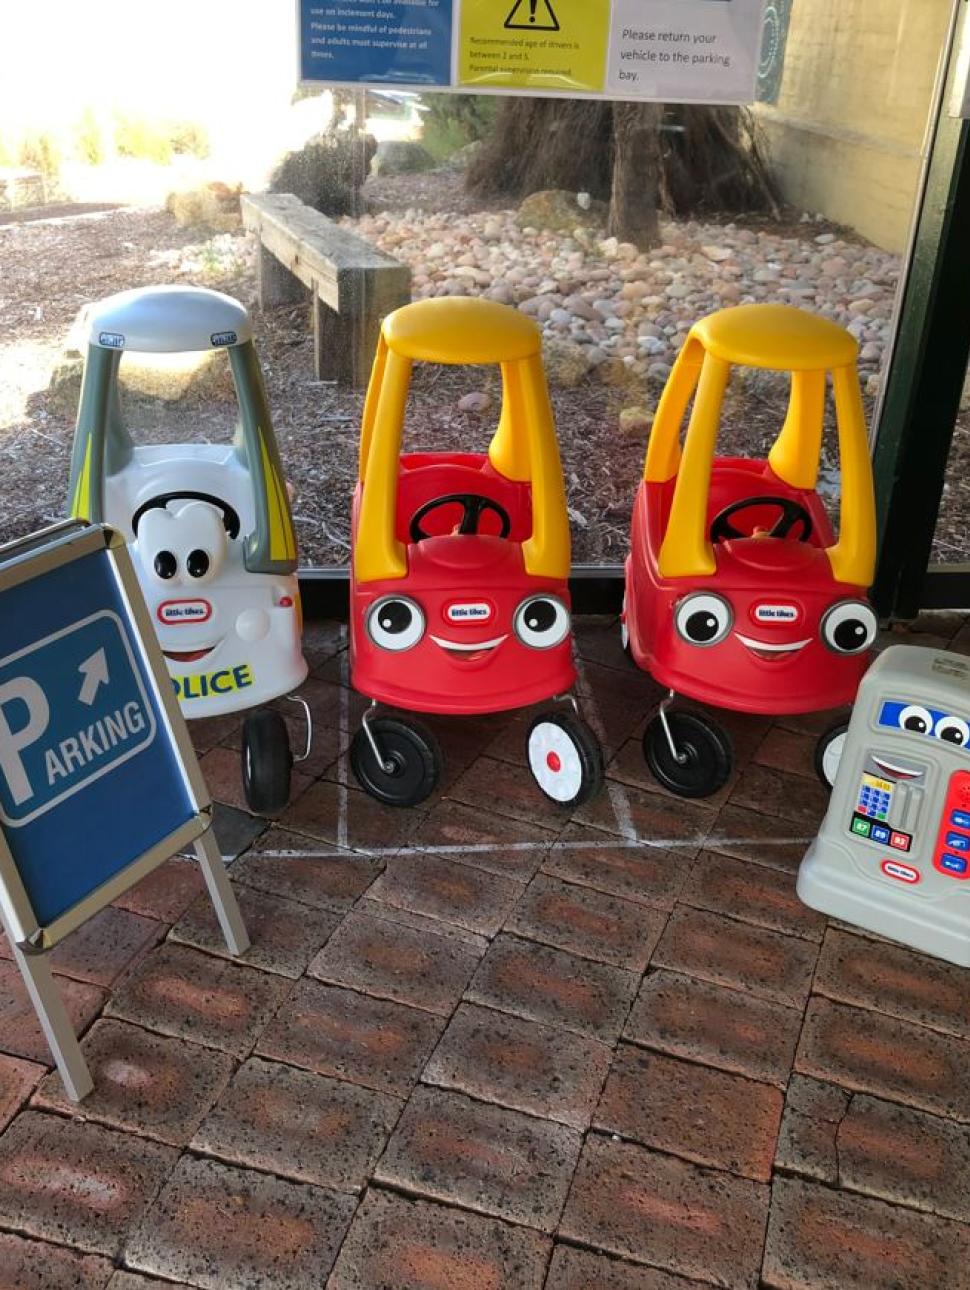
(49, 1006)
(221, 893)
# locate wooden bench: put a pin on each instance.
(353, 284)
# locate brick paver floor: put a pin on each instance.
(484, 1045)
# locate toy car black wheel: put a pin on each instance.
(411, 761)
(828, 752)
(266, 761)
(705, 754)
(565, 758)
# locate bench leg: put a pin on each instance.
(333, 344)
(344, 345)
(277, 285)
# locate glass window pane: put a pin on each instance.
(614, 228)
(951, 541)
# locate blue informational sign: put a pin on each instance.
(402, 42)
(90, 776)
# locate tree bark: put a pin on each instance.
(634, 201)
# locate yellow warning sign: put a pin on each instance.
(534, 44)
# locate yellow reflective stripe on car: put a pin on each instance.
(282, 541)
(81, 505)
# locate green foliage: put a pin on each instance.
(327, 173)
(39, 151)
(189, 139)
(452, 121)
(89, 140)
(147, 140)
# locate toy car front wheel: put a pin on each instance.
(266, 761)
(565, 758)
(410, 765)
(704, 752)
(828, 753)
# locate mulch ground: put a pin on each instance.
(51, 267)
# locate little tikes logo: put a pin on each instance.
(174, 612)
(901, 872)
(774, 613)
(203, 685)
(468, 611)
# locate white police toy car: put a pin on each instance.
(209, 524)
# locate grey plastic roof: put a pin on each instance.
(168, 320)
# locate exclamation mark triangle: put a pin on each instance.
(532, 15)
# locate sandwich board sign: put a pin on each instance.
(99, 783)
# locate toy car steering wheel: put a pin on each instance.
(472, 504)
(230, 517)
(792, 513)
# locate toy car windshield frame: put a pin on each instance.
(160, 320)
(523, 448)
(778, 338)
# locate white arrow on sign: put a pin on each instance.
(95, 671)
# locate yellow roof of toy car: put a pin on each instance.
(778, 337)
(461, 330)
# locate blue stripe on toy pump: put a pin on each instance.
(891, 712)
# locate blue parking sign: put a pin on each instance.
(98, 779)
(73, 707)
(91, 775)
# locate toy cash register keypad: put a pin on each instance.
(872, 812)
(951, 855)
(875, 797)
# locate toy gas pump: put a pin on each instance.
(893, 853)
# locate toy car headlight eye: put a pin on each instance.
(166, 565)
(541, 622)
(850, 627)
(916, 719)
(953, 730)
(197, 564)
(395, 623)
(703, 619)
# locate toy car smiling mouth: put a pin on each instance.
(209, 525)
(191, 655)
(469, 650)
(768, 650)
(737, 592)
(460, 561)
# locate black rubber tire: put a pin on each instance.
(838, 731)
(414, 752)
(707, 747)
(587, 746)
(266, 762)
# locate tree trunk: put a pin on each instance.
(634, 201)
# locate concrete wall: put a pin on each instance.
(847, 133)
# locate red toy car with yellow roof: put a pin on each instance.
(460, 562)
(738, 593)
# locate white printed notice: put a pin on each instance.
(685, 51)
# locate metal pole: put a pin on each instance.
(221, 893)
(49, 1006)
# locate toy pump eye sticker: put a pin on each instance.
(915, 719)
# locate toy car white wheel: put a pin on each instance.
(266, 762)
(565, 758)
(411, 761)
(828, 753)
(703, 748)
